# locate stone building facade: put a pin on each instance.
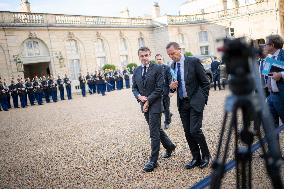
(42, 44)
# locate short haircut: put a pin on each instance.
(158, 55)
(276, 40)
(144, 49)
(173, 44)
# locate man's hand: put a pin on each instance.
(174, 85)
(146, 106)
(276, 76)
(142, 98)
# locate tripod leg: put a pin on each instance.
(219, 163)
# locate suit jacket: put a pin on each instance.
(151, 87)
(167, 79)
(196, 83)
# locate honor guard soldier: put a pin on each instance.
(67, 83)
(101, 85)
(22, 93)
(3, 97)
(52, 88)
(14, 93)
(89, 83)
(60, 85)
(30, 91)
(44, 84)
(127, 80)
(38, 90)
(82, 85)
(108, 85)
(8, 96)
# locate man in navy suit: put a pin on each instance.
(192, 87)
(166, 90)
(147, 88)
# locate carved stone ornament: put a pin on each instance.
(32, 35)
(141, 34)
(99, 35)
(121, 35)
(70, 35)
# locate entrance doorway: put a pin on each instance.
(36, 69)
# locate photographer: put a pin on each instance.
(275, 82)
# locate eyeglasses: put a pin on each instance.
(159, 59)
(142, 56)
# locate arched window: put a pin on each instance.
(100, 53)
(34, 47)
(123, 53)
(141, 42)
(73, 57)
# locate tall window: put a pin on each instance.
(123, 53)
(141, 42)
(230, 32)
(123, 60)
(32, 48)
(73, 56)
(203, 36)
(123, 44)
(204, 50)
(181, 39)
(100, 53)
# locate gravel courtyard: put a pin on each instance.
(101, 142)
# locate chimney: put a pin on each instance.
(25, 6)
(125, 13)
(156, 10)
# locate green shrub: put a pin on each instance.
(108, 67)
(188, 54)
(130, 67)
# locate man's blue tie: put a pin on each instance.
(180, 92)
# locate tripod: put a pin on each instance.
(255, 114)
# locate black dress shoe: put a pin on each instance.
(149, 166)
(169, 152)
(204, 162)
(192, 164)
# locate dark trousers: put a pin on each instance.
(90, 86)
(46, 95)
(276, 104)
(61, 92)
(23, 100)
(54, 95)
(166, 105)
(31, 98)
(108, 86)
(83, 90)
(9, 101)
(157, 135)
(94, 88)
(68, 91)
(127, 83)
(15, 100)
(192, 123)
(216, 80)
(3, 103)
(102, 89)
(38, 96)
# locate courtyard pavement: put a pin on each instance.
(102, 142)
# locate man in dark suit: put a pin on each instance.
(166, 90)
(147, 88)
(192, 88)
(215, 68)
